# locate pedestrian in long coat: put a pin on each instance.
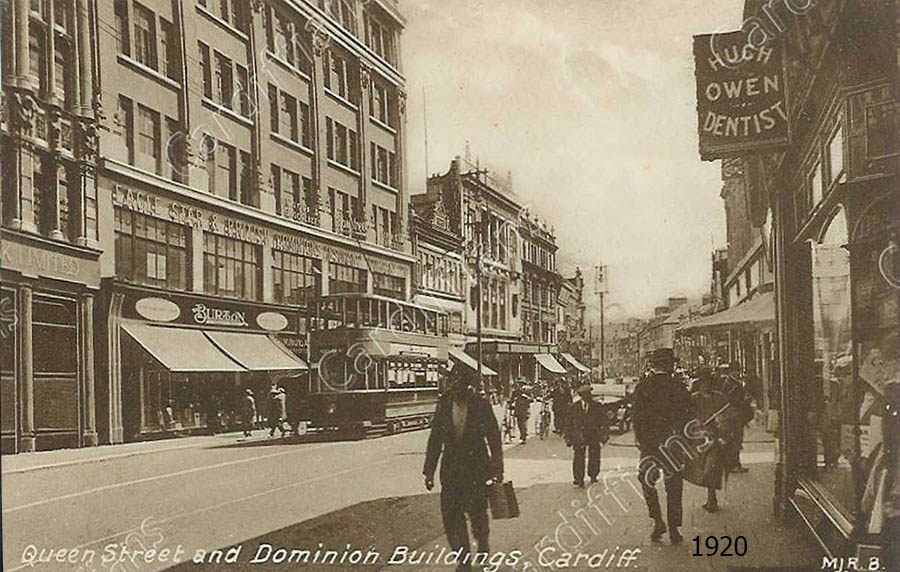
(277, 410)
(466, 438)
(248, 412)
(587, 428)
(522, 408)
(662, 409)
(562, 399)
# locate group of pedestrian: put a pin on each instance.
(663, 407)
(276, 412)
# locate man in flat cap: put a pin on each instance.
(662, 408)
(586, 429)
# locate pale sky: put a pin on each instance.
(591, 105)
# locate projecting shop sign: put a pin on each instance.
(741, 99)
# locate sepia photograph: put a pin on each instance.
(450, 285)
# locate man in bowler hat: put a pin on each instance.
(662, 408)
(587, 427)
(465, 432)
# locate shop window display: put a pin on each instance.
(835, 414)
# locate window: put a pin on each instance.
(148, 140)
(226, 172)
(344, 13)
(245, 184)
(229, 11)
(38, 56)
(342, 144)
(172, 147)
(224, 81)
(125, 117)
(231, 267)
(168, 49)
(336, 78)
(123, 34)
(836, 155)
(284, 47)
(390, 286)
(242, 85)
(144, 36)
(151, 251)
(342, 278)
(295, 278)
(340, 211)
(379, 103)
(379, 38)
(815, 185)
(273, 108)
(206, 69)
(305, 130)
(275, 177)
(289, 116)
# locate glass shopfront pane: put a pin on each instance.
(836, 411)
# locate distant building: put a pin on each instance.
(540, 280)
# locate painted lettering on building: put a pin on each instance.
(137, 201)
(206, 316)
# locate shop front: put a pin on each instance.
(181, 363)
(46, 368)
(514, 361)
(840, 325)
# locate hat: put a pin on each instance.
(280, 390)
(662, 357)
(249, 391)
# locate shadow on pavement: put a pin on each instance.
(290, 440)
(380, 525)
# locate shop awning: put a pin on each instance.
(575, 363)
(180, 349)
(256, 352)
(758, 310)
(468, 361)
(549, 363)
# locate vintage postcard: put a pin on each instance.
(450, 285)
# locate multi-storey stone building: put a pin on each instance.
(251, 155)
(50, 260)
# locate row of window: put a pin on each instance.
(384, 166)
(535, 254)
(493, 304)
(342, 145)
(156, 252)
(231, 12)
(225, 82)
(537, 293)
(440, 273)
(377, 36)
(289, 117)
(146, 39)
(295, 197)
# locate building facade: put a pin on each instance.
(440, 280)
(737, 325)
(540, 280)
(835, 197)
(830, 190)
(572, 331)
(197, 165)
(51, 247)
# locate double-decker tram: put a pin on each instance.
(376, 364)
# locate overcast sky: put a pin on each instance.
(590, 104)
